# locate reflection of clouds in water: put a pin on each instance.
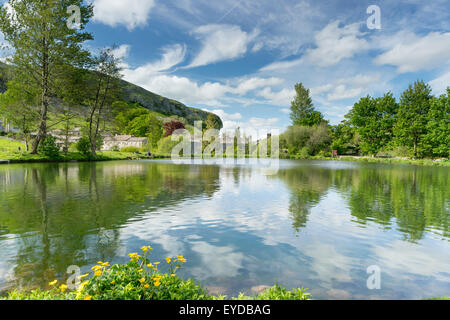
(9, 245)
(411, 262)
(217, 261)
(328, 264)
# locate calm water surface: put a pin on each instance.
(314, 224)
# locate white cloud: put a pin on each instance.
(153, 77)
(226, 116)
(410, 53)
(281, 65)
(336, 43)
(172, 56)
(220, 43)
(122, 51)
(333, 44)
(342, 92)
(129, 13)
(282, 98)
(441, 84)
(246, 85)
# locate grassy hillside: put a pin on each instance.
(132, 93)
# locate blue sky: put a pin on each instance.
(241, 59)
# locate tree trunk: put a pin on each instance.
(42, 132)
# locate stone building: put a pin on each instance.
(122, 141)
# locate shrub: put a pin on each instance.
(84, 146)
(141, 279)
(131, 150)
(172, 126)
(166, 145)
(48, 147)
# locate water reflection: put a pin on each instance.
(314, 224)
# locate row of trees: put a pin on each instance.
(417, 126)
(54, 82)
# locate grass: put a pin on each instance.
(9, 151)
(419, 162)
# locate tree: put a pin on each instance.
(103, 89)
(17, 107)
(155, 131)
(413, 116)
(212, 122)
(374, 120)
(302, 108)
(436, 142)
(172, 126)
(43, 47)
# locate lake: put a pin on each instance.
(314, 224)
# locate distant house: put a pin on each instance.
(118, 142)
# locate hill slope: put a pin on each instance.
(132, 93)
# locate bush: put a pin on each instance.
(166, 145)
(48, 147)
(131, 150)
(141, 279)
(84, 146)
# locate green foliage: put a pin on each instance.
(302, 108)
(141, 279)
(43, 45)
(343, 136)
(166, 145)
(307, 141)
(412, 116)
(84, 146)
(49, 148)
(279, 293)
(131, 149)
(436, 141)
(374, 120)
(213, 123)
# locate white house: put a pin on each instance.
(113, 142)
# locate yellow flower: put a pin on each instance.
(149, 265)
(147, 248)
(140, 270)
(157, 284)
(99, 262)
(96, 268)
(183, 260)
(142, 280)
(63, 287)
(156, 263)
(105, 264)
(147, 286)
(155, 269)
(53, 283)
(87, 298)
(98, 273)
(83, 276)
(168, 259)
(113, 282)
(172, 275)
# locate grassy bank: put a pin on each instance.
(419, 162)
(141, 279)
(9, 151)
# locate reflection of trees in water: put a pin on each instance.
(308, 185)
(414, 198)
(71, 214)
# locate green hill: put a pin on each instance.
(135, 94)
